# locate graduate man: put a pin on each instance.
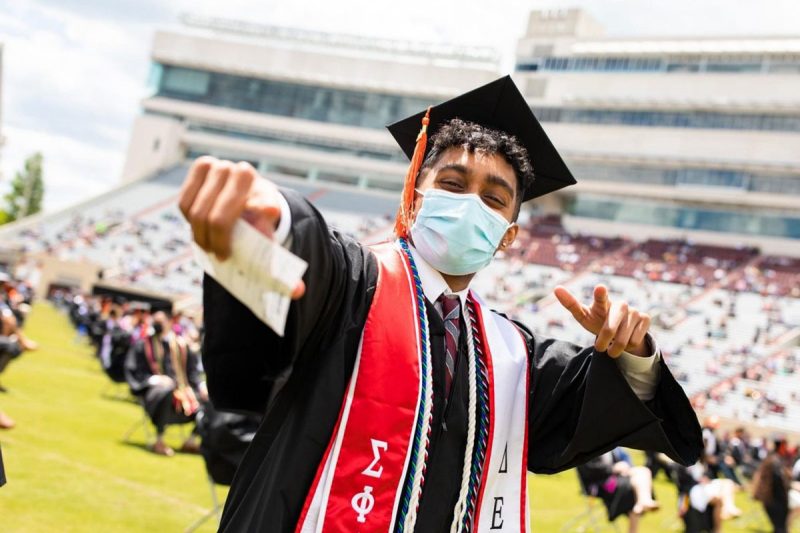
(164, 372)
(397, 401)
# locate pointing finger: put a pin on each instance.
(570, 303)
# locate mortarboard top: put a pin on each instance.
(500, 106)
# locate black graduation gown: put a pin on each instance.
(138, 372)
(595, 473)
(580, 405)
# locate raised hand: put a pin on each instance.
(216, 193)
(617, 326)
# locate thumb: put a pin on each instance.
(262, 216)
(601, 303)
(299, 291)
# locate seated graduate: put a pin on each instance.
(703, 502)
(164, 371)
(114, 347)
(12, 342)
(397, 400)
(625, 489)
(16, 302)
(10, 349)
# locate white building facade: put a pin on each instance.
(301, 104)
(684, 137)
(692, 138)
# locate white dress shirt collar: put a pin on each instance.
(433, 284)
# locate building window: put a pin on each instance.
(185, 81)
(688, 177)
(672, 119)
(772, 224)
(721, 64)
(324, 104)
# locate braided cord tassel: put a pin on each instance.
(409, 501)
(482, 439)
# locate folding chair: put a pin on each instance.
(144, 424)
(215, 511)
(593, 517)
(225, 437)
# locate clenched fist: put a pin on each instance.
(618, 327)
(217, 193)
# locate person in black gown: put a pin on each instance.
(625, 489)
(164, 372)
(583, 401)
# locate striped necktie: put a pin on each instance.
(450, 307)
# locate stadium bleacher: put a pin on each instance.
(720, 313)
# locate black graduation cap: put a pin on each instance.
(500, 106)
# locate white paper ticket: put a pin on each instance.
(260, 273)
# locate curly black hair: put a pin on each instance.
(474, 137)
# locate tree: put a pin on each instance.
(27, 191)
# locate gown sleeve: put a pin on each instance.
(245, 361)
(581, 406)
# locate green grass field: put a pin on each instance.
(69, 470)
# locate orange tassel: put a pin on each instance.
(402, 224)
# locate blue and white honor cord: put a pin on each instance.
(477, 423)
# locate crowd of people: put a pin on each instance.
(15, 301)
(544, 240)
(768, 469)
(157, 354)
(154, 352)
(147, 245)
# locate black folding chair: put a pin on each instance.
(224, 440)
(593, 517)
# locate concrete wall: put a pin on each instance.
(155, 144)
(740, 149)
(335, 67)
(733, 92)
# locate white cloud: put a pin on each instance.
(73, 77)
(71, 90)
(73, 169)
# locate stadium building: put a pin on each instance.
(689, 137)
(672, 137)
(686, 151)
(295, 103)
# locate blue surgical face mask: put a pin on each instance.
(457, 233)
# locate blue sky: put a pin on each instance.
(74, 71)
